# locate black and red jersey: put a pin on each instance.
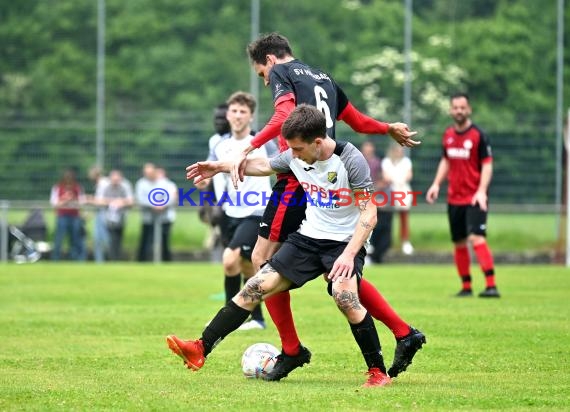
(466, 152)
(310, 86)
(294, 83)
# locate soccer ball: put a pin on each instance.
(258, 360)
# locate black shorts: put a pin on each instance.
(240, 233)
(466, 220)
(301, 258)
(285, 210)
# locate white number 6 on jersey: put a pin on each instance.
(320, 95)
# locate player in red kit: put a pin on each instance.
(467, 163)
(292, 83)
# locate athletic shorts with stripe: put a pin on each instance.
(240, 233)
(285, 210)
(301, 259)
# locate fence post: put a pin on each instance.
(4, 205)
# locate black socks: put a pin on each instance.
(367, 339)
(228, 319)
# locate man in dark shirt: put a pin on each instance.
(293, 83)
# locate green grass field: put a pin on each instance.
(89, 337)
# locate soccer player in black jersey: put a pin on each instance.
(335, 248)
(292, 83)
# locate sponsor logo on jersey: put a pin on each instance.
(458, 153)
(332, 177)
(278, 90)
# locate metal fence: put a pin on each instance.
(36, 151)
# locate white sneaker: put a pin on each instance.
(252, 324)
(407, 248)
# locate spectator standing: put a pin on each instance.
(467, 163)
(149, 212)
(397, 172)
(116, 198)
(168, 215)
(381, 238)
(66, 197)
(100, 232)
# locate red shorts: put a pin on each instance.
(284, 211)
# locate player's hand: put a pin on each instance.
(481, 198)
(342, 268)
(401, 133)
(432, 194)
(203, 184)
(238, 169)
(201, 170)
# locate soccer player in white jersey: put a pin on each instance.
(241, 217)
(338, 222)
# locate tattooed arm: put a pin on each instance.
(344, 265)
(366, 222)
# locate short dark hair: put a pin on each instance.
(272, 43)
(459, 95)
(306, 122)
(242, 98)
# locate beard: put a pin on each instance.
(460, 119)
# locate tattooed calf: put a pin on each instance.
(346, 300)
(252, 290)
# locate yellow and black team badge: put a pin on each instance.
(331, 176)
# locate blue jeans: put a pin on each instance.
(100, 237)
(70, 226)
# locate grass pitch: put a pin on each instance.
(89, 337)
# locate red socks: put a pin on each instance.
(380, 309)
(462, 262)
(485, 259)
(279, 307)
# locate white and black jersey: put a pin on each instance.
(233, 204)
(332, 212)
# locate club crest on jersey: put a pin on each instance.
(331, 177)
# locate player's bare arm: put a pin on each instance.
(204, 170)
(238, 168)
(201, 171)
(442, 170)
(344, 265)
(480, 196)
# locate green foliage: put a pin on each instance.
(190, 55)
(168, 62)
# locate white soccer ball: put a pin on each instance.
(258, 360)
